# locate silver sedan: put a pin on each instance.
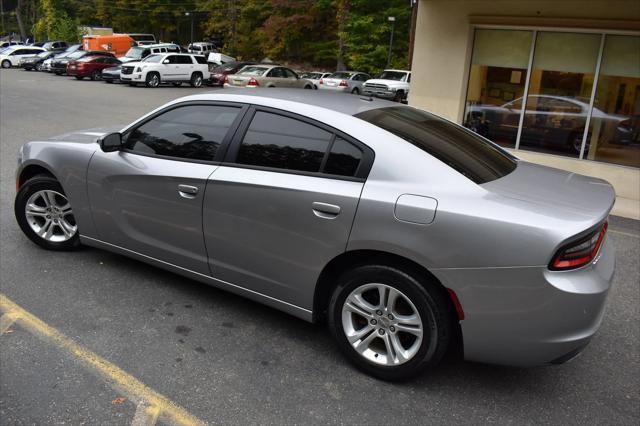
(405, 233)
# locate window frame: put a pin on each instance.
(361, 174)
(224, 144)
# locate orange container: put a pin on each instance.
(118, 44)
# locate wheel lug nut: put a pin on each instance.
(48, 216)
(381, 332)
(374, 322)
(390, 316)
(392, 328)
(379, 312)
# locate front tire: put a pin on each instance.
(95, 75)
(45, 215)
(355, 91)
(38, 67)
(6, 64)
(389, 323)
(153, 79)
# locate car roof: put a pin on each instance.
(340, 102)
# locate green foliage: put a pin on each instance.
(55, 23)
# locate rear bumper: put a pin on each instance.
(334, 88)
(526, 316)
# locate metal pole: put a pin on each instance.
(393, 24)
(191, 27)
(2, 14)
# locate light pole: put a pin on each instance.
(190, 14)
(391, 19)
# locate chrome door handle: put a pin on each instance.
(187, 191)
(325, 211)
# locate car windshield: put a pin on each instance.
(87, 58)
(136, 52)
(466, 152)
(257, 71)
(43, 54)
(341, 74)
(77, 55)
(152, 58)
(392, 75)
(311, 75)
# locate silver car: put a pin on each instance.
(344, 81)
(406, 233)
(267, 76)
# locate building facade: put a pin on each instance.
(555, 82)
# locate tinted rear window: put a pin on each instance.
(469, 154)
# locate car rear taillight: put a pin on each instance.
(343, 83)
(579, 252)
(321, 81)
(253, 82)
(225, 80)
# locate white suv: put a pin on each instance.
(174, 68)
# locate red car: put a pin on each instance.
(91, 66)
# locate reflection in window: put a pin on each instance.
(273, 140)
(614, 132)
(344, 159)
(496, 83)
(190, 132)
(560, 87)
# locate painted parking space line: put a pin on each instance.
(627, 234)
(151, 406)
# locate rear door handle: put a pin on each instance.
(187, 191)
(325, 211)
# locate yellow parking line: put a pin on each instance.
(6, 320)
(132, 388)
(146, 415)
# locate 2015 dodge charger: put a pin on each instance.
(400, 229)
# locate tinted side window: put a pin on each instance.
(201, 59)
(173, 59)
(191, 132)
(276, 72)
(285, 143)
(184, 59)
(344, 158)
(289, 74)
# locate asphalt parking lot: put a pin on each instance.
(224, 359)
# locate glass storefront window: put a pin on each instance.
(614, 131)
(496, 83)
(560, 88)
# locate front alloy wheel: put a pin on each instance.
(153, 80)
(6, 64)
(45, 214)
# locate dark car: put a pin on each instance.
(111, 75)
(55, 45)
(59, 66)
(90, 66)
(35, 62)
(218, 73)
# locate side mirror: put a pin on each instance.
(111, 142)
(166, 61)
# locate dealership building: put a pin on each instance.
(557, 82)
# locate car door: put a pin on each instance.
(276, 77)
(148, 196)
(282, 204)
(292, 79)
(186, 67)
(171, 68)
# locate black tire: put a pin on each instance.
(430, 301)
(196, 80)
(399, 96)
(308, 87)
(177, 83)
(30, 187)
(152, 80)
(108, 81)
(6, 63)
(95, 76)
(39, 66)
(79, 77)
(57, 73)
(355, 91)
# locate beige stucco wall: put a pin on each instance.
(442, 54)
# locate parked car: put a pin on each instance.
(137, 53)
(218, 74)
(201, 48)
(111, 75)
(12, 56)
(390, 84)
(5, 44)
(315, 77)
(59, 65)
(266, 76)
(331, 208)
(90, 66)
(344, 81)
(553, 121)
(46, 65)
(35, 62)
(174, 68)
(55, 45)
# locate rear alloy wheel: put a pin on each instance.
(95, 75)
(45, 215)
(153, 79)
(389, 323)
(196, 79)
(6, 64)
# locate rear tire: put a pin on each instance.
(405, 330)
(95, 76)
(355, 91)
(196, 79)
(45, 215)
